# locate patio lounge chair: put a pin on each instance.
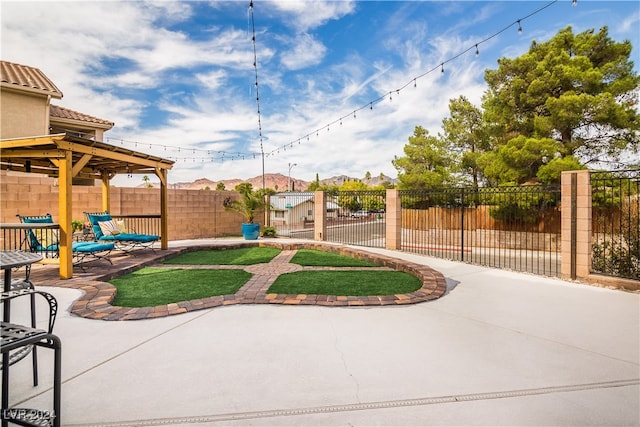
(106, 229)
(45, 241)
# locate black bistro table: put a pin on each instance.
(8, 261)
(15, 336)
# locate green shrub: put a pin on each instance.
(269, 232)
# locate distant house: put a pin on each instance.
(26, 110)
(294, 208)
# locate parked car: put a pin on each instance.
(359, 214)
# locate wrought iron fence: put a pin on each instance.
(516, 228)
(616, 223)
(40, 238)
(357, 218)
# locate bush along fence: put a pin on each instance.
(616, 223)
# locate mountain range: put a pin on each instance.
(276, 181)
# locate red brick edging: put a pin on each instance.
(98, 294)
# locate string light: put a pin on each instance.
(222, 155)
(255, 66)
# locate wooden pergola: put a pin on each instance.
(69, 157)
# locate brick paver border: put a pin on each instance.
(95, 303)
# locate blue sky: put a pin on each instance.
(178, 78)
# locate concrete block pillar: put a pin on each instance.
(320, 216)
(576, 225)
(393, 220)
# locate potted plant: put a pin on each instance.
(76, 225)
(247, 205)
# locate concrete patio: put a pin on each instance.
(499, 348)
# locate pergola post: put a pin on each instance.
(164, 197)
(64, 214)
(106, 191)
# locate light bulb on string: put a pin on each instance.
(477, 51)
(442, 67)
(519, 27)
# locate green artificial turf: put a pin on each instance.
(240, 256)
(346, 283)
(310, 257)
(151, 286)
(158, 286)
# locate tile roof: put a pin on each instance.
(27, 77)
(65, 113)
(280, 201)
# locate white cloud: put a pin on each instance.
(306, 15)
(306, 52)
(213, 79)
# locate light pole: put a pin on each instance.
(289, 178)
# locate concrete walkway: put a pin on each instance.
(500, 348)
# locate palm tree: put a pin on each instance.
(248, 204)
(146, 182)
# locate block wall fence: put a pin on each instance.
(193, 214)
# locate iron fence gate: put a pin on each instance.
(292, 214)
(616, 223)
(516, 228)
(357, 217)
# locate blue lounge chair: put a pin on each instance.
(106, 229)
(45, 241)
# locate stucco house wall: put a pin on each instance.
(23, 114)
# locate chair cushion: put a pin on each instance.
(91, 247)
(94, 219)
(33, 239)
(37, 220)
(140, 238)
